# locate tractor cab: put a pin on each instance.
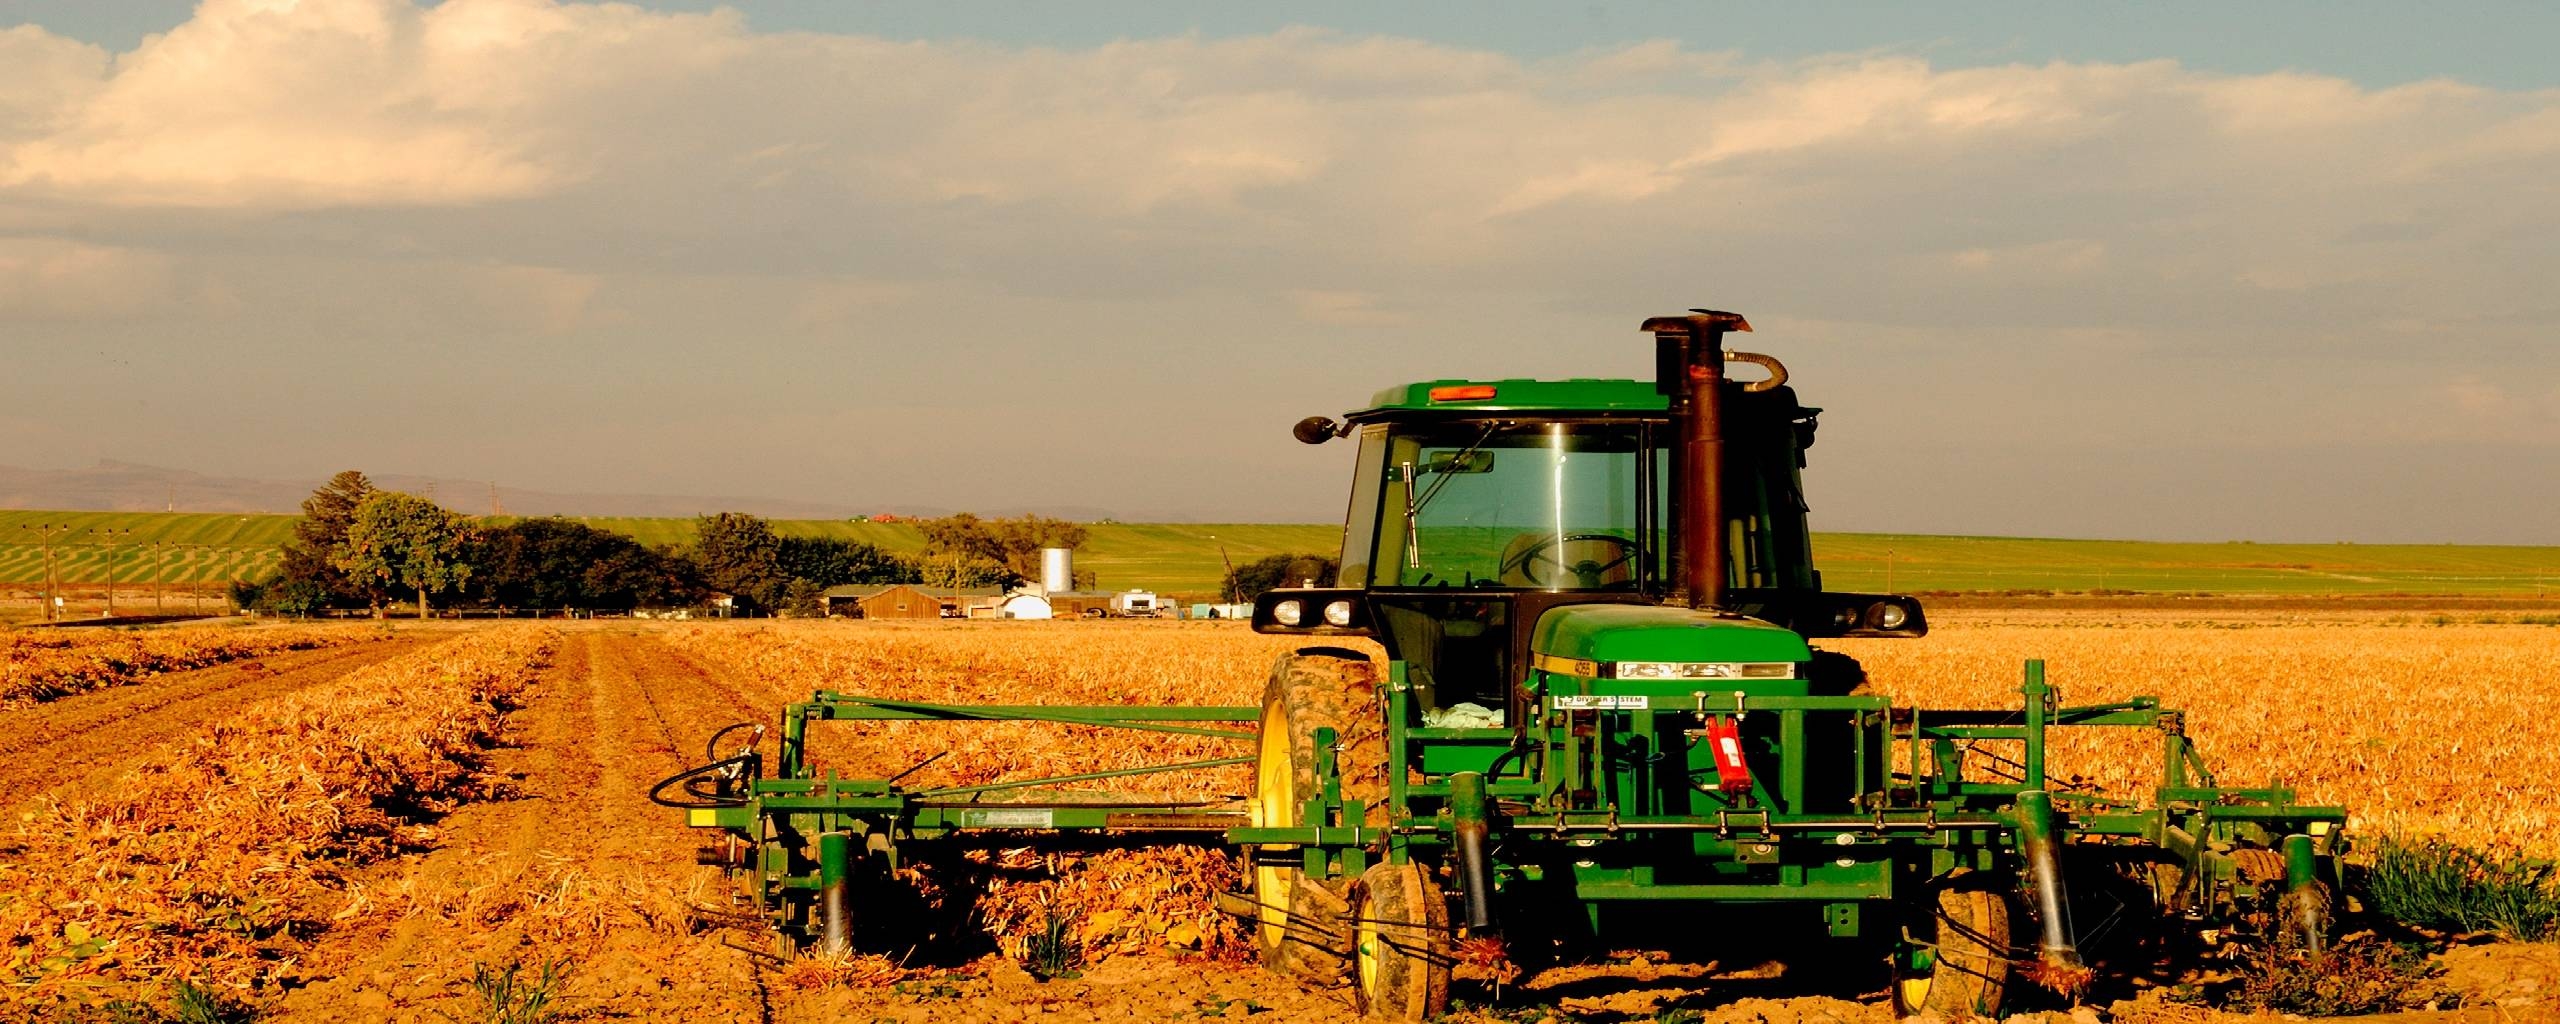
(1493, 524)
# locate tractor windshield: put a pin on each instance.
(1499, 504)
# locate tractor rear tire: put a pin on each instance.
(1299, 921)
(1968, 929)
(1401, 950)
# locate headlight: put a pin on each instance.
(1338, 613)
(1891, 615)
(1287, 613)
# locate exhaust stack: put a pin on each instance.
(1689, 361)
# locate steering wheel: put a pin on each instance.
(1546, 560)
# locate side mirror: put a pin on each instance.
(1315, 430)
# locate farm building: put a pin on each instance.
(891, 601)
(1076, 604)
(903, 601)
(1021, 605)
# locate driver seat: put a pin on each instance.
(1580, 561)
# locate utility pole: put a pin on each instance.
(1234, 596)
(47, 531)
(159, 587)
(1888, 570)
(110, 534)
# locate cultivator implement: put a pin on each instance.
(1599, 702)
(1876, 820)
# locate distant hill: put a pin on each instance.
(112, 486)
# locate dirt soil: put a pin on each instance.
(578, 869)
(60, 748)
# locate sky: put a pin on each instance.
(2278, 272)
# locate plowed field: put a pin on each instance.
(562, 861)
(80, 743)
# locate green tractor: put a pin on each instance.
(1600, 709)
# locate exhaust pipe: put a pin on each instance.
(1472, 833)
(1689, 361)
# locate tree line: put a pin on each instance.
(359, 546)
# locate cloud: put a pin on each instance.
(312, 103)
(2102, 250)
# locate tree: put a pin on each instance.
(739, 555)
(828, 561)
(309, 573)
(1012, 543)
(553, 562)
(296, 595)
(1248, 581)
(406, 539)
(804, 600)
(659, 577)
(960, 572)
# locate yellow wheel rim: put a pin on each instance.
(1915, 993)
(1274, 802)
(1365, 951)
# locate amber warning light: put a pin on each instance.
(1463, 393)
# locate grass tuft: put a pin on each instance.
(2358, 976)
(510, 996)
(2436, 884)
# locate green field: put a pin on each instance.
(1882, 562)
(193, 547)
(1184, 558)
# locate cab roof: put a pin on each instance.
(1581, 394)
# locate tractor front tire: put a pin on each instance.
(1299, 921)
(1969, 941)
(1400, 945)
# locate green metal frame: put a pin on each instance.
(1900, 815)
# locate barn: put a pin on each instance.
(882, 601)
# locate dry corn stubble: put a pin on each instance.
(37, 667)
(216, 859)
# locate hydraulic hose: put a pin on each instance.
(717, 774)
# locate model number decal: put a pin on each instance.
(1601, 702)
(1008, 819)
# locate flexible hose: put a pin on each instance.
(1777, 370)
(711, 747)
(691, 778)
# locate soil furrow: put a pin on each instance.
(579, 868)
(64, 747)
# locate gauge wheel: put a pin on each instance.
(1299, 920)
(1958, 964)
(1400, 947)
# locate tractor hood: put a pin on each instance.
(1603, 634)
